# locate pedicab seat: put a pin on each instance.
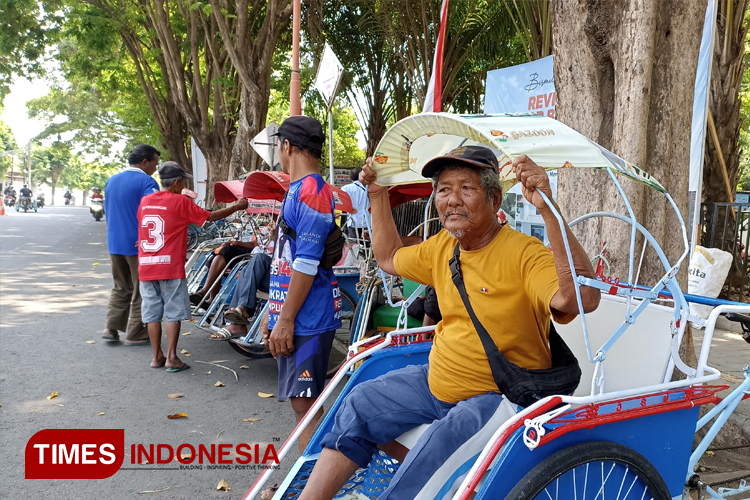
(638, 359)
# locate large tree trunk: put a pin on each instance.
(253, 113)
(624, 75)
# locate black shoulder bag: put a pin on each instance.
(334, 245)
(521, 386)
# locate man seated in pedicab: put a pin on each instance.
(224, 254)
(515, 286)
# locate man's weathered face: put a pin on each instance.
(149, 166)
(461, 202)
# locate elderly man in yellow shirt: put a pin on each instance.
(514, 285)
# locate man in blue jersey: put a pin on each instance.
(305, 305)
(123, 194)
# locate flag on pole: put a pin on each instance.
(433, 101)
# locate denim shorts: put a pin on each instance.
(161, 298)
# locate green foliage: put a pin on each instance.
(7, 143)
(57, 165)
(28, 28)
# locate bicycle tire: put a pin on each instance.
(544, 480)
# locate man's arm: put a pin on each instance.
(534, 178)
(385, 238)
(240, 204)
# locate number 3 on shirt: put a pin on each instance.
(155, 225)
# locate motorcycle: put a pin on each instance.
(40, 201)
(97, 209)
(70, 200)
(26, 204)
(9, 200)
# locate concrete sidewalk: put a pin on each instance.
(729, 354)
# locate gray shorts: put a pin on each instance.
(164, 297)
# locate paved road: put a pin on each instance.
(54, 285)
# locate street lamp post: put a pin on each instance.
(295, 106)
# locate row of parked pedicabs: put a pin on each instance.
(628, 430)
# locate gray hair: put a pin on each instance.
(489, 178)
(165, 183)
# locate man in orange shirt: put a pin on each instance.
(514, 285)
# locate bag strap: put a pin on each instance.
(458, 280)
(281, 221)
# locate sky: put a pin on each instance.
(15, 113)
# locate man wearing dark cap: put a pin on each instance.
(305, 305)
(163, 219)
(514, 284)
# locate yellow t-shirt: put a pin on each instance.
(510, 283)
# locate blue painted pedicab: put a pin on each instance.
(628, 430)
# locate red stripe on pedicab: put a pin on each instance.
(501, 441)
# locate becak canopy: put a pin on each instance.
(274, 185)
(231, 191)
(409, 144)
(403, 193)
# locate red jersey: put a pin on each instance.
(97, 196)
(163, 219)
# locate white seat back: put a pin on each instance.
(638, 359)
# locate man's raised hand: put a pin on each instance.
(241, 204)
(532, 178)
(368, 176)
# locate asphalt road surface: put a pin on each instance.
(55, 280)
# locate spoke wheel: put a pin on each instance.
(340, 348)
(596, 470)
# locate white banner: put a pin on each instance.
(527, 87)
(329, 75)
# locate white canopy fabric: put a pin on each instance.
(412, 142)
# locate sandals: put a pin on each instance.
(236, 317)
(196, 298)
(224, 334)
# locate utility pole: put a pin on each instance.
(295, 106)
(28, 161)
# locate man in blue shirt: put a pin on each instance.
(122, 195)
(305, 305)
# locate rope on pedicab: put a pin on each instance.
(731, 480)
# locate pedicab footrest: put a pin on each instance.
(365, 483)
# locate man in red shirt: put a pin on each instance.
(163, 219)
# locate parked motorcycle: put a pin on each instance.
(97, 209)
(40, 201)
(26, 204)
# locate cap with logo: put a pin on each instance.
(172, 170)
(304, 131)
(478, 156)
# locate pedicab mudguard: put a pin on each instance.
(664, 439)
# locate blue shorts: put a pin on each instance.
(380, 410)
(164, 297)
(303, 373)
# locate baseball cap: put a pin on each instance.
(302, 130)
(172, 170)
(478, 156)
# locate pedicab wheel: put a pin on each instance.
(340, 348)
(192, 237)
(594, 469)
(255, 351)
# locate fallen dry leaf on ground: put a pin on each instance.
(53, 395)
(219, 384)
(244, 367)
(145, 462)
(223, 486)
(186, 333)
(208, 373)
(97, 286)
(91, 341)
(96, 264)
(100, 414)
(188, 355)
(174, 396)
(251, 420)
(177, 415)
(265, 395)
(183, 351)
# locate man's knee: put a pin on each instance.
(302, 405)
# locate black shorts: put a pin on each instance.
(303, 373)
(425, 306)
(229, 252)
